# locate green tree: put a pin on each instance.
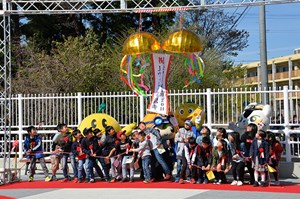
(76, 64)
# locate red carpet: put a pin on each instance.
(288, 188)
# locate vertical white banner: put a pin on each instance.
(160, 69)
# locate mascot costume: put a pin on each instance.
(254, 113)
(192, 112)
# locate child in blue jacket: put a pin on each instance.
(34, 150)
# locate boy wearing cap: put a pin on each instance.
(181, 138)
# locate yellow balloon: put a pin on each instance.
(188, 111)
(100, 121)
(139, 43)
(129, 128)
(182, 41)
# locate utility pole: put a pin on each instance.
(263, 53)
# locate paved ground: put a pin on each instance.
(105, 193)
(140, 193)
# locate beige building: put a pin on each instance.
(282, 71)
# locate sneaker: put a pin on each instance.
(53, 178)
(255, 184)
(168, 176)
(113, 180)
(239, 183)
(65, 180)
(123, 180)
(30, 179)
(263, 184)
(276, 183)
(217, 182)
(152, 180)
(92, 181)
(181, 181)
(193, 181)
(146, 181)
(176, 179)
(199, 181)
(75, 180)
(205, 181)
(79, 181)
(131, 180)
(86, 181)
(47, 179)
(234, 182)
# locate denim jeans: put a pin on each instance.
(80, 168)
(89, 168)
(64, 162)
(104, 167)
(146, 162)
(74, 165)
(161, 161)
(179, 166)
(125, 158)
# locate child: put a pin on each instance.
(188, 160)
(77, 152)
(205, 132)
(107, 146)
(205, 159)
(89, 148)
(220, 162)
(181, 138)
(156, 142)
(237, 162)
(137, 160)
(275, 154)
(246, 141)
(100, 138)
(123, 147)
(34, 151)
(145, 154)
(259, 153)
(62, 145)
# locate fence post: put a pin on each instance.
(286, 123)
(208, 108)
(142, 108)
(20, 110)
(79, 108)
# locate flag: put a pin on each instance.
(271, 169)
(160, 69)
(210, 175)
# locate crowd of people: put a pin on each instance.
(201, 159)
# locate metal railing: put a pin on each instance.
(222, 106)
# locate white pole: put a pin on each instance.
(79, 108)
(208, 108)
(142, 108)
(286, 123)
(20, 107)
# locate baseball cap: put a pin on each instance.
(120, 133)
(189, 122)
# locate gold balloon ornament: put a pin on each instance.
(134, 62)
(182, 41)
(139, 43)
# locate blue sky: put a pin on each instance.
(283, 30)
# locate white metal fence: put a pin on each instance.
(222, 106)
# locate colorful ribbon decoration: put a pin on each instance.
(195, 66)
